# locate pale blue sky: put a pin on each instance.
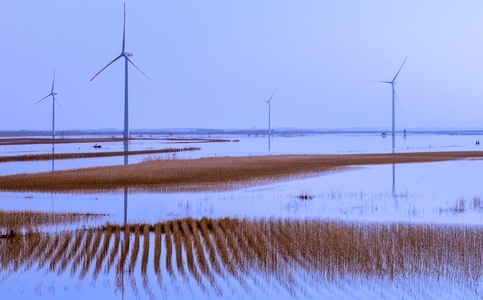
(211, 63)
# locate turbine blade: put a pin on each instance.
(53, 81)
(399, 69)
(44, 98)
(397, 100)
(55, 100)
(106, 66)
(136, 67)
(380, 81)
(124, 30)
(270, 99)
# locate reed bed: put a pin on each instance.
(115, 247)
(135, 248)
(178, 248)
(169, 248)
(26, 220)
(60, 252)
(211, 173)
(124, 250)
(258, 250)
(91, 253)
(145, 257)
(59, 156)
(157, 248)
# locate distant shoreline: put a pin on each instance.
(211, 173)
(71, 140)
(207, 132)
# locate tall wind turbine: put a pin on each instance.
(53, 105)
(392, 82)
(269, 127)
(126, 56)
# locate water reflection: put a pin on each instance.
(283, 144)
(394, 185)
(53, 156)
(53, 169)
(420, 193)
(126, 162)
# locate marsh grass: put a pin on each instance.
(211, 173)
(463, 205)
(169, 248)
(258, 250)
(104, 250)
(178, 248)
(145, 257)
(28, 221)
(158, 230)
(60, 156)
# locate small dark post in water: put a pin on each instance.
(477, 142)
(8, 235)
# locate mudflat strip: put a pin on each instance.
(212, 173)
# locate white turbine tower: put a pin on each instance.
(126, 56)
(392, 83)
(53, 105)
(269, 125)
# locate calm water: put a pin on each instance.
(246, 145)
(423, 193)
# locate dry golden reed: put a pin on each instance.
(158, 230)
(207, 241)
(115, 247)
(26, 220)
(102, 254)
(253, 250)
(135, 247)
(178, 247)
(59, 156)
(169, 248)
(145, 257)
(211, 173)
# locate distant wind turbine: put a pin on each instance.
(126, 56)
(392, 82)
(53, 105)
(269, 126)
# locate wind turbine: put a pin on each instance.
(392, 82)
(269, 129)
(126, 56)
(53, 105)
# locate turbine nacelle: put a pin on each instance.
(128, 54)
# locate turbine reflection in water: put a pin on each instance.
(126, 162)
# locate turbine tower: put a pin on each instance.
(53, 105)
(126, 56)
(269, 127)
(392, 82)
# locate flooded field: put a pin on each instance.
(374, 231)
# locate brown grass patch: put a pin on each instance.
(213, 173)
(259, 250)
(59, 156)
(27, 220)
